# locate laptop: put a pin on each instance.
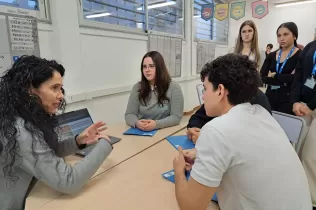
(75, 122)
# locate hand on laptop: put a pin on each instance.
(193, 134)
(92, 134)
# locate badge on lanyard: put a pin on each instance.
(275, 87)
(311, 82)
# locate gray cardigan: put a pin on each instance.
(48, 168)
(169, 114)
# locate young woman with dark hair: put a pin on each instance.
(156, 101)
(279, 67)
(31, 93)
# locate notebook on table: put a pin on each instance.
(169, 175)
(182, 141)
(138, 132)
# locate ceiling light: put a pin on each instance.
(98, 15)
(168, 3)
(286, 4)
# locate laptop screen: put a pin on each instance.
(73, 123)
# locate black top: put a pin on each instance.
(303, 71)
(199, 119)
(286, 77)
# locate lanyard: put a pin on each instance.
(279, 58)
(314, 63)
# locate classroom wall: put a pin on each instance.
(102, 66)
(303, 15)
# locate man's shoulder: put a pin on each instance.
(238, 115)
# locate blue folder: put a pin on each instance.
(138, 132)
(169, 175)
(182, 141)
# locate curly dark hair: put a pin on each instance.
(17, 102)
(162, 80)
(236, 73)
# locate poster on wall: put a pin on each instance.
(259, 9)
(19, 36)
(207, 11)
(205, 52)
(221, 11)
(237, 10)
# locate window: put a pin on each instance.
(162, 15)
(117, 12)
(24, 4)
(33, 8)
(165, 16)
(220, 31)
(212, 29)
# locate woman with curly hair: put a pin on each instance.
(31, 93)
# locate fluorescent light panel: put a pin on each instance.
(164, 4)
(286, 4)
(98, 15)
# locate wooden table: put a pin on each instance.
(131, 145)
(127, 148)
(135, 184)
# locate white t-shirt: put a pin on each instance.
(247, 155)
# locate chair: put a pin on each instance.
(294, 127)
(200, 91)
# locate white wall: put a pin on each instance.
(107, 61)
(303, 15)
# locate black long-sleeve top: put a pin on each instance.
(199, 118)
(286, 77)
(303, 71)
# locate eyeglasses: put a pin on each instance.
(150, 67)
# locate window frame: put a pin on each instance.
(212, 30)
(118, 28)
(43, 15)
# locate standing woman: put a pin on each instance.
(155, 102)
(31, 92)
(304, 104)
(279, 67)
(247, 41)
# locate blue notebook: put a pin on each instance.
(137, 132)
(182, 141)
(169, 175)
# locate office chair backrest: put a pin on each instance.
(292, 125)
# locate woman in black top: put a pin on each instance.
(304, 99)
(301, 92)
(279, 67)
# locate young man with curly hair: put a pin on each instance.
(243, 155)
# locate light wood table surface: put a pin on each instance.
(127, 148)
(136, 184)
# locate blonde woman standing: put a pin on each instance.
(247, 41)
